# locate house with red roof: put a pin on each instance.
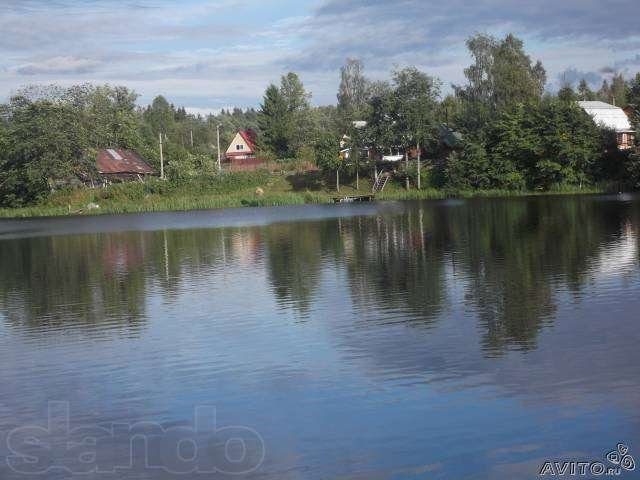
(242, 146)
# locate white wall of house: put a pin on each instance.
(239, 146)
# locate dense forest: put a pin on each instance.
(510, 133)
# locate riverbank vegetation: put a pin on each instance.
(500, 132)
(259, 188)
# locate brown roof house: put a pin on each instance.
(122, 165)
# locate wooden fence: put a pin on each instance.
(251, 164)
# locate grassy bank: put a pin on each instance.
(238, 189)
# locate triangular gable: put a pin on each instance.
(241, 140)
(248, 136)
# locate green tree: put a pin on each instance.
(380, 126)
(632, 168)
(449, 110)
(584, 92)
(160, 115)
(468, 168)
(4, 146)
(549, 142)
(634, 101)
(604, 94)
(515, 78)
(293, 92)
(298, 120)
(353, 90)
(501, 77)
(618, 90)
(274, 121)
(285, 117)
(44, 142)
(414, 109)
(566, 93)
(326, 150)
(634, 91)
(110, 117)
(476, 95)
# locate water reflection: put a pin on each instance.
(436, 315)
(511, 257)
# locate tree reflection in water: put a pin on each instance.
(511, 256)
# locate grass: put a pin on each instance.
(235, 189)
(432, 193)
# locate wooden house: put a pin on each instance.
(612, 118)
(116, 164)
(242, 146)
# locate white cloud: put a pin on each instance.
(59, 65)
(197, 54)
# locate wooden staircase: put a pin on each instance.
(380, 182)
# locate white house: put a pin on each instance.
(613, 118)
(242, 146)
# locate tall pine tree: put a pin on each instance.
(274, 121)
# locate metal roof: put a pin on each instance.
(114, 161)
(608, 116)
(249, 137)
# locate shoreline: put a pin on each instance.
(250, 199)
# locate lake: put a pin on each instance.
(440, 339)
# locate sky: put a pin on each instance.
(207, 55)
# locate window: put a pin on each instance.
(239, 147)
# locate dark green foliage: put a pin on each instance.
(110, 117)
(515, 78)
(326, 149)
(614, 92)
(534, 146)
(501, 77)
(632, 168)
(326, 152)
(402, 114)
(274, 121)
(160, 116)
(530, 141)
(634, 91)
(501, 132)
(547, 143)
(584, 92)
(380, 127)
(414, 101)
(468, 168)
(633, 97)
(43, 142)
(285, 117)
(566, 94)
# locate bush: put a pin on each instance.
(468, 169)
(428, 177)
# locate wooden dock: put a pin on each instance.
(354, 198)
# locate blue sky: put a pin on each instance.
(205, 55)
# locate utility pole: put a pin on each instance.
(161, 159)
(218, 140)
(191, 135)
(419, 152)
(406, 169)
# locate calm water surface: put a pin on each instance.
(451, 339)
